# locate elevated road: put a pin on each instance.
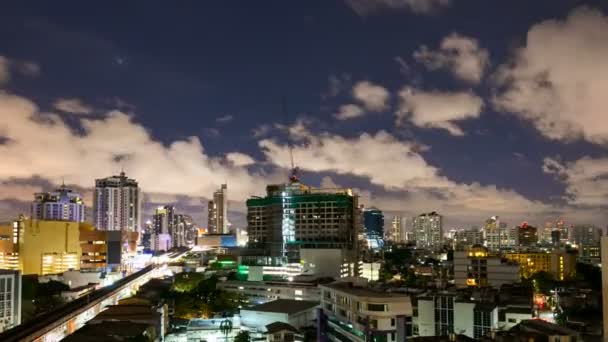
(55, 325)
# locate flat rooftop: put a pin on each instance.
(287, 306)
(361, 291)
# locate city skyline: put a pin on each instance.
(413, 107)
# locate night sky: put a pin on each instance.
(469, 108)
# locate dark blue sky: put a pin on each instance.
(178, 67)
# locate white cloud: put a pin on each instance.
(559, 79)
(407, 181)
(462, 55)
(224, 118)
(366, 7)
(72, 106)
(4, 70)
(44, 145)
(372, 96)
(349, 111)
(586, 180)
(438, 109)
(240, 159)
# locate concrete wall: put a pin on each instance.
(322, 262)
(426, 317)
(463, 318)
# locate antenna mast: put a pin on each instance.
(293, 176)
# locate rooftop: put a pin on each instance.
(288, 306)
(108, 331)
(350, 288)
(276, 327)
(543, 327)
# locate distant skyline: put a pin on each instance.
(468, 108)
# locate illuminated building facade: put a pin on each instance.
(373, 225)
(428, 230)
(294, 217)
(477, 268)
(397, 233)
(498, 236)
(217, 210)
(48, 247)
(560, 264)
(10, 299)
(117, 204)
(465, 239)
(61, 205)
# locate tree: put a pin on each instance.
(242, 336)
(226, 328)
(542, 282)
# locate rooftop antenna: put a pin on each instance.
(293, 177)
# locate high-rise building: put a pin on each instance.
(295, 223)
(163, 220)
(60, 205)
(373, 222)
(183, 231)
(397, 233)
(10, 299)
(428, 230)
(465, 239)
(497, 235)
(604, 258)
(585, 235)
(218, 212)
(170, 229)
(526, 235)
(117, 204)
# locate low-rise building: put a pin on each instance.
(10, 299)
(351, 311)
(297, 313)
(258, 292)
(282, 332)
(477, 268)
(561, 264)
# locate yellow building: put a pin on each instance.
(48, 247)
(560, 264)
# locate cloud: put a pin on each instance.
(349, 111)
(101, 147)
(337, 83)
(240, 159)
(559, 79)
(586, 180)
(72, 106)
(224, 119)
(372, 96)
(367, 7)
(416, 185)
(461, 55)
(437, 109)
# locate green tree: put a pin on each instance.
(242, 336)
